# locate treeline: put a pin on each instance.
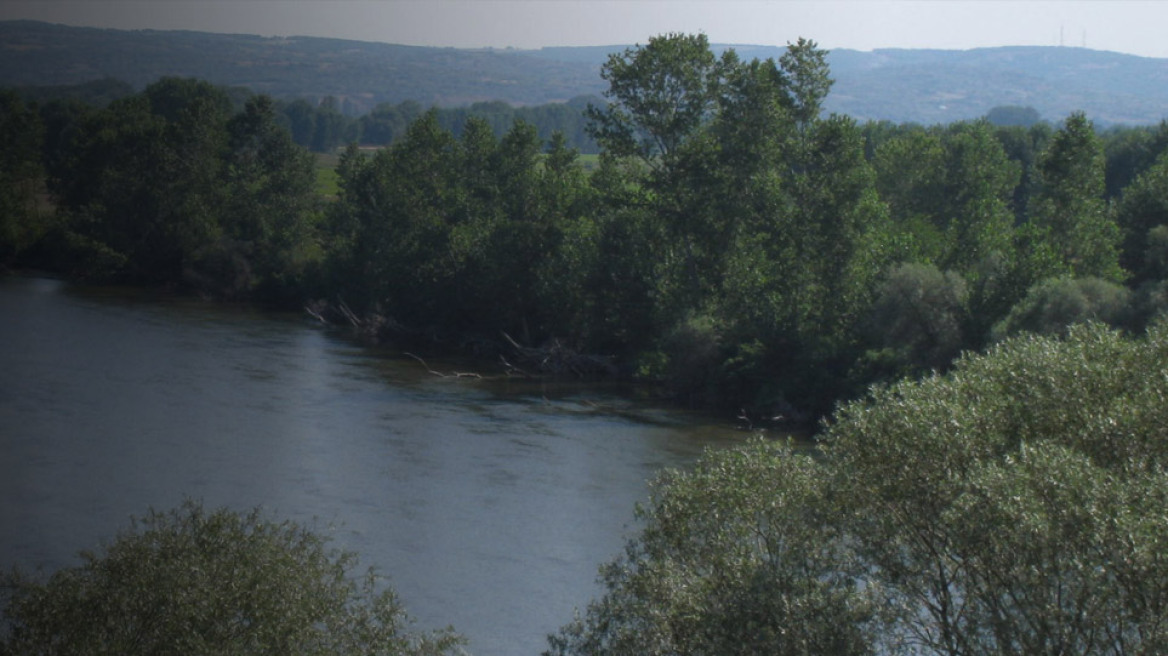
(326, 124)
(323, 127)
(387, 123)
(732, 241)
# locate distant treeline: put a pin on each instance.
(732, 242)
(324, 126)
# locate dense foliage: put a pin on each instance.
(1011, 506)
(172, 186)
(730, 241)
(747, 251)
(191, 581)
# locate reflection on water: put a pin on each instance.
(489, 504)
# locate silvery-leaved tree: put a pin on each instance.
(191, 581)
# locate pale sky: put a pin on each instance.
(1135, 27)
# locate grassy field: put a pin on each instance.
(326, 175)
(589, 162)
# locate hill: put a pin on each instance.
(932, 86)
(359, 74)
(924, 86)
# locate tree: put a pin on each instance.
(918, 317)
(659, 93)
(766, 219)
(672, 109)
(613, 252)
(192, 581)
(502, 244)
(21, 172)
(141, 181)
(1001, 508)
(300, 117)
(270, 209)
(1130, 151)
(808, 79)
(392, 226)
(1068, 214)
(979, 182)
(910, 177)
(1011, 505)
(1142, 209)
(738, 556)
(1023, 146)
(833, 236)
(172, 187)
(949, 193)
(331, 128)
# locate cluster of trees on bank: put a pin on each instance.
(170, 186)
(732, 241)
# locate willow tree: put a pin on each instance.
(1013, 505)
(1004, 507)
(741, 555)
(193, 581)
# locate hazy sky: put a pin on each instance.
(1136, 27)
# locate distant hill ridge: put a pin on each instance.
(923, 86)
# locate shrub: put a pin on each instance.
(1050, 307)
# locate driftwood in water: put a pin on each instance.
(552, 359)
(453, 374)
(558, 360)
(373, 328)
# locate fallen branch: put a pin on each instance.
(315, 314)
(436, 373)
(511, 369)
(557, 359)
(349, 314)
(454, 374)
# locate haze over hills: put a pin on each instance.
(924, 86)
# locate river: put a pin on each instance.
(489, 505)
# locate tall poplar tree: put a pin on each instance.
(1068, 216)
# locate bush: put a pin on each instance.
(1156, 253)
(693, 359)
(189, 581)
(1050, 307)
(918, 314)
(1149, 304)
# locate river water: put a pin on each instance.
(488, 505)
